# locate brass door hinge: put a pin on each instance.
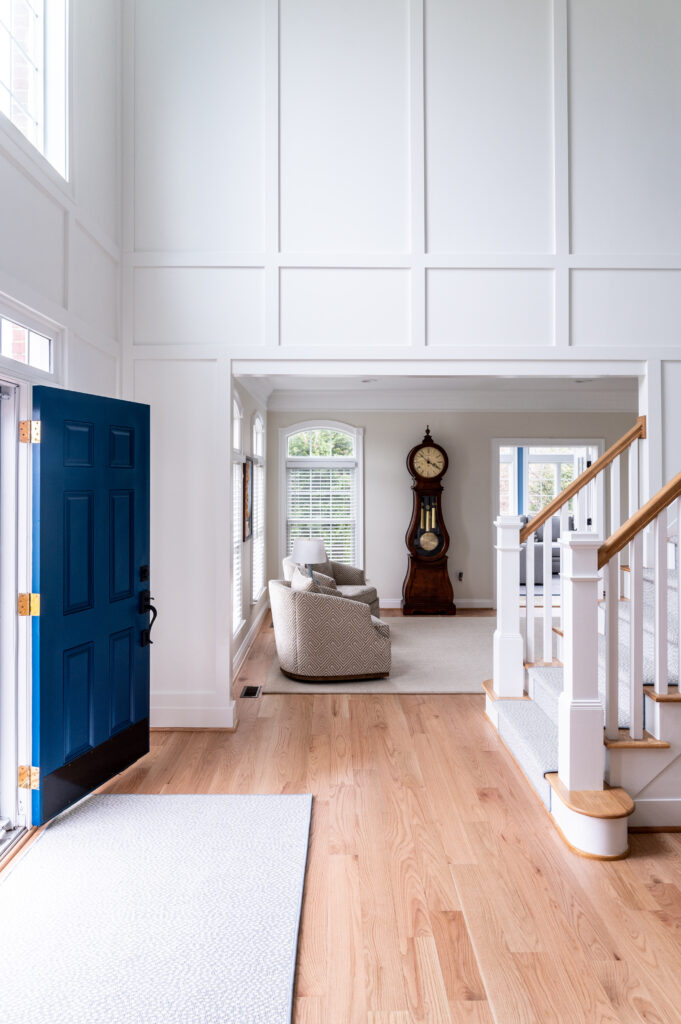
(29, 431)
(29, 777)
(28, 604)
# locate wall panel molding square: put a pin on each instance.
(490, 307)
(199, 107)
(344, 126)
(489, 125)
(325, 307)
(626, 307)
(625, 112)
(198, 306)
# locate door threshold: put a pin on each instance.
(9, 840)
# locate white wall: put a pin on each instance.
(60, 241)
(389, 182)
(467, 501)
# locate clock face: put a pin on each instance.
(429, 541)
(428, 462)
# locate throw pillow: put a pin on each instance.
(324, 581)
(300, 581)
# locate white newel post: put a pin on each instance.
(509, 670)
(580, 711)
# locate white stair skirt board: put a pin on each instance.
(159, 909)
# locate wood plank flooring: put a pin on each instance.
(437, 888)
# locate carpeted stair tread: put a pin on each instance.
(545, 684)
(624, 609)
(532, 738)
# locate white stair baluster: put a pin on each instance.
(564, 527)
(547, 581)
(508, 668)
(636, 638)
(661, 594)
(599, 518)
(678, 587)
(616, 509)
(580, 511)
(612, 595)
(529, 598)
(580, 711)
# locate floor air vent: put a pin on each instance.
(251, 691)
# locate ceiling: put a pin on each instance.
(283, 392)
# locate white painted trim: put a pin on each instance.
(464, 602)
(401, 400)
(282, 458)
(22, 571)
(174, 717)
(598, 837)
(247, 642)
(656, 813)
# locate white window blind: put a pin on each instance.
(258, 563)
(237, 528)
(322, 502)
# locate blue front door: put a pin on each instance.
(90, 658)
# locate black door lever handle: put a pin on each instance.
(147, 606)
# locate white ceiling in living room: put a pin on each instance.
(292, 392)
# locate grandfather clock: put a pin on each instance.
(427, 589)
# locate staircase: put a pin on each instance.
(595, 724)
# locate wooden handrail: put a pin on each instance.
(637, 431)
(645, 515)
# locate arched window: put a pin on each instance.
(237, 518)
(321, 484)
(258, 551)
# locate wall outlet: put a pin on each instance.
(459, 577)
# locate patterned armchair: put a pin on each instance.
(327, 638)
(351, 582)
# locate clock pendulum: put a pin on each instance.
(427, 589)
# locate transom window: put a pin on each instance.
(322, 487)
(25, 346)
(33, 73)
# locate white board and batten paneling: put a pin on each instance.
(415, 181)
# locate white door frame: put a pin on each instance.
(15, 577)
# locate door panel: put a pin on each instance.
(90, 562)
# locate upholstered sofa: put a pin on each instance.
(554, 524)
(351, 582)
(327, 637)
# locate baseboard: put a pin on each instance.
(460, 602)
(656, 813)
(247, 642)
(193, 718)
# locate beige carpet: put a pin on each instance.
(430, 654)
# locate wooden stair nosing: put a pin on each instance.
(494, 696)
(625, 742)
(594, 803)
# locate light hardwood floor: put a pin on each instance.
(437, 888)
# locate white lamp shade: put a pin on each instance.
(308, 550)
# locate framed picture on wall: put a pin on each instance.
(248, 498)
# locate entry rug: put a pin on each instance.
(157, 910)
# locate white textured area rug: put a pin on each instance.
(430, 654)
(157, 910)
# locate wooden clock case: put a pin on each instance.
(427, 589)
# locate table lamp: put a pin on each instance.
(309, 551)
